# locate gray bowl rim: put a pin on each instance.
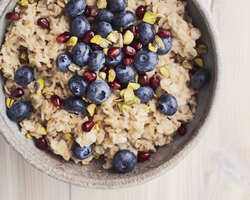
(153, 173)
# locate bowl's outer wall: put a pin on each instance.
(93, 175)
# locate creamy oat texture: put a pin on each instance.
(142, 127)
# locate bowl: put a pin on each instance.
(165, 158)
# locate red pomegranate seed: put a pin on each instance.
(88, 125)
(143, 156)
(91, 11)
(140, 12)
(143, 80)
(57, 102)
(128, 50)
(182, 130)
(115, 85)
(155, 81)
(137, 45)
(95, 47)
(133, 29)
(128, 61)
(18, 92)
(105, 69)
(113, 52)
(13, 16)
(43, 22)
(164, 33)
(88, 36)
(41, 143)
(64, 37)
(89, 76)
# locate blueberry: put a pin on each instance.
(75, 105)
(81, 153)
(96, 60)
(103, 28)
(145, 94)
(19, 111)
(146, 61)
(79, 26)
(125, 73)
(114, 62)
(124, 161)
(63, 61)
(77, 86)
(146, 33)
(199, 79)
(98, 92)
(116, 5)
(124, 19)
(167, 104)
(24, 75)
(168, 44)
(75, 8)
(80, 54)
(105, 15)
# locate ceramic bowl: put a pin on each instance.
(165, 158)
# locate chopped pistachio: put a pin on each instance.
(113, 36)
(101, 4)
(28, 136)
(41, 130)
(105, 43)
(102, 75)
(97, 125)
(134, 86)
(119, 42)
(118, 100)
(68, 137)
(137, 100)
(119, 106)
(91, 109)
(39, 85)
(128, 37)
(147, 109)
(85, 99)
(111, 75)
(72, 41)
(73, 67)
(201, 49)
(164, 71)
(129, 95)
(97, 39)
(152, 48)
(23, 2)
(199, 62)
(105, 51)
(125, 107)
(122, 92)
(32, 1)
(9, 102)
(149, 17)
(136, 78)
(158, 42)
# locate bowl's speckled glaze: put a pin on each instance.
(165, 158)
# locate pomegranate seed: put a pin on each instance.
(105, 69)
(115, 85)
(89, 76)
(114, 52)
(57, 102)
(13, 16)
(128, 50)
(18, 92)
(164, 33)
(64, 37)
(43, 22)
(143, 156)
(133, 29)
(137, 45)
(155, 81)
(128, 61)
(91, 11)
(143, 80)
(88, 125)
(88, 36)
(140, 12)
(182, 130)
(41, 143)
(95, 47)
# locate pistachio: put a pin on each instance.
(136, 78)
(39, 85)
(101, 4)
(73, 67)
(105, 43)
(147, 109)
(125, 107)
(41, 130)
(72, 41)
(152, 48)
(201, 49)
(32, 1)
(28, 136)
(118, 100)
(97, 39)
(134, 86)
(164, 71)
(111, 75)
(137, 100)
(119, 106)
(102, 75)
(85, 99)
(97, 125)
(68, 137)
(149, 17)
(23, 2)
(198, 61)
(122, 92)
(91, 109)
(128, 37)
(119, 42)
(9, 102)
(129, 96)
(158, 42)
(113, 36)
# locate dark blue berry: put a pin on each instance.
(24, 75)
(81, 153)
(19, 111)
(146, 61)
(96, 60)
(75, 8)
(145, 94)
(125, 73)
(167, 104)
(63, 61)
(124, 19)
(199, 79)
(80, 54)
(114, 62)
(77, 86)
(79, 26)
(117, 5)
(146, 33)
(103, 28)
(124, 161)
(75, 105)
(105, 15)
(168, 44)
(98, 92)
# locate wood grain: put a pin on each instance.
(217, 169)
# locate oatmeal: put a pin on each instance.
(111, 78)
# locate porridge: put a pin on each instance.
(112, 78)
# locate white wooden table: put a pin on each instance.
(217, 169)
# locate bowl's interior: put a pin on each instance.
(93, 175)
